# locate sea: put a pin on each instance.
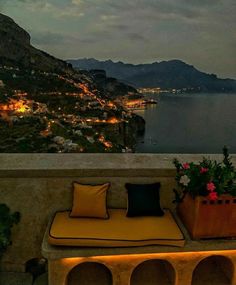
(188, 123)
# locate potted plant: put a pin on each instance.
(206, 197)
(7, 220)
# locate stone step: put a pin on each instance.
(15, 278)
(42, 280)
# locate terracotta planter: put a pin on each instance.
(209, 219)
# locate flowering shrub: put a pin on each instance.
(207, 178)
(7, 220)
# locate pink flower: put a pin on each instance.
(213, 196)
(211, 186)
(203, 170)
(186, 165)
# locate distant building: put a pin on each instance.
(105, 115)
(78, 133)
(59, 140)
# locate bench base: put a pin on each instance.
(123, 266)
(179, 263)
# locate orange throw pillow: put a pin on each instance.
(90, 201)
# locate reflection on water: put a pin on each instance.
(196, 123)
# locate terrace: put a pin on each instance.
(38, 185)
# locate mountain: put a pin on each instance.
(48, 106)
(173, 74)
(15, 49)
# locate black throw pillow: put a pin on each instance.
(143, 200)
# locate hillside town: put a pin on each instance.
(65, 116)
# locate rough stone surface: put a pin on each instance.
(86, 165)
(42, 280)
(13, 278)
(175, 268)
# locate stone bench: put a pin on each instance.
(127, 265)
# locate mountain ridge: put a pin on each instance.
(170, 74)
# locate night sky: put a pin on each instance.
(199, 32)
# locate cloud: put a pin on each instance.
(119, 27)
(109, 17)
(168, 9)
(53, 39)
(111, 11)
(203, 2)
(132, 30)
(77, 2)
(49, 38)
(136, 37)
(56, 9)
(4, 2)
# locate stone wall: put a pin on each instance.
(37, 185)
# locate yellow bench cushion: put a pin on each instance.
(117, 231)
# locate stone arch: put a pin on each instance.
(154, 271)
(214, 269)
(89, 273)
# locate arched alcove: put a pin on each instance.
(216, 269)
(153, 272)
(89, 273)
